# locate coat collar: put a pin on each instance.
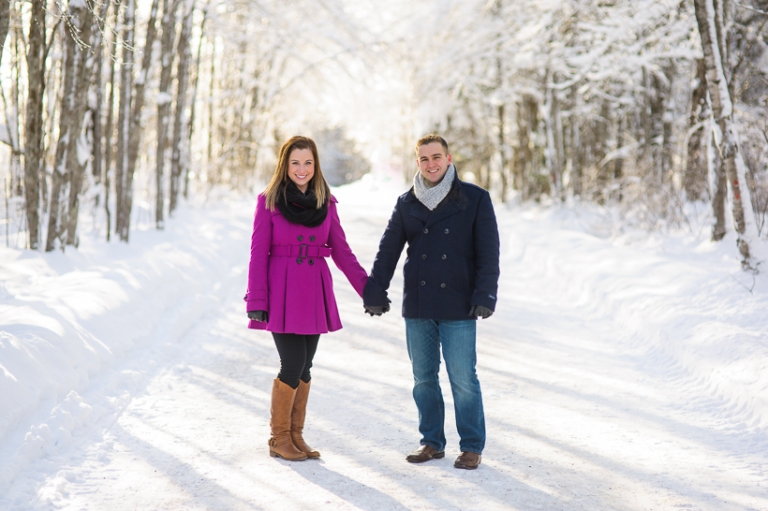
(448, 207)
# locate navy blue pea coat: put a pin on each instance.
(452, 258)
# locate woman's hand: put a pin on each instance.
(262, 316)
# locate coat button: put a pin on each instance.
(426, 231)
(423, 256)
(299, 237)
(423, 283)
(442, 285)
(298, 260)
(446, 231)
(445, 256)
(312, 238)
(311, 262)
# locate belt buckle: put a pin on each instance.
(303, 252)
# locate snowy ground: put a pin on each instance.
(619, 373)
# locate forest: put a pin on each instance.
(113, 112)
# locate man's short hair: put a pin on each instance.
(431, 138)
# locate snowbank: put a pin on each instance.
(66, 317)
(680, 305)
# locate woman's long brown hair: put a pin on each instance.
(280, 178)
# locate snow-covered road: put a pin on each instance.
(616, 375)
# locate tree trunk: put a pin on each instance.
(695, 175)
(193, 101)
(98, 47)
(78, 160)
(712, 42)
(182, 79)
(164, 105)
(719, 190)
(502, 154)
(5, 23)
(211, 88)
(527, 124)
(554, 126)
(12, 110)
(123, 225)
(666, 115)
(123, 121)
(67, 170)
(600, 134)
(107, 171)
(33, 146)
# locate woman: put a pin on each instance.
(290, 292)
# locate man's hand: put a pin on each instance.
(376, 310)
(262, 316)
(480, 311)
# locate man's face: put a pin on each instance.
(433, 162)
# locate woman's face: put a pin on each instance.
(301, 168)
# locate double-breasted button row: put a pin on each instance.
(300, 260)
(301, 238)
(443, 257)
(442, 285)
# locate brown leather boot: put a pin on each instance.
(281, 445)
(297, 420)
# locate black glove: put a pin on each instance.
(376, 310)
(480, 311)
(262, 316)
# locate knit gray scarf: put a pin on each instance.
(432, 196)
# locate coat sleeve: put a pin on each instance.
(341, 253)
(486, 240)
(390, 247)
(257, 293)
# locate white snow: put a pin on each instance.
(620, 371)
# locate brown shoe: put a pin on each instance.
(468, 460)
(424, 453)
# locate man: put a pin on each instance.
(450, 278)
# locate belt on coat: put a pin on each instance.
(299, 251)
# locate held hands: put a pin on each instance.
(480, 311)
(376, 310)
(262, 316)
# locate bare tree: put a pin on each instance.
(182, 79)
(193, 101)
(713, 41)
(134, 128)
(122, 187)
(107, 170)
(33, 146)
(164, 99)
(98, 48)
(69, 167)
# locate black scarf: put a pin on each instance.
(301, 208)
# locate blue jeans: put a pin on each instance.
(424, 338)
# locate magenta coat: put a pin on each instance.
(288, 275)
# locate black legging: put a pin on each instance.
(296, 354)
